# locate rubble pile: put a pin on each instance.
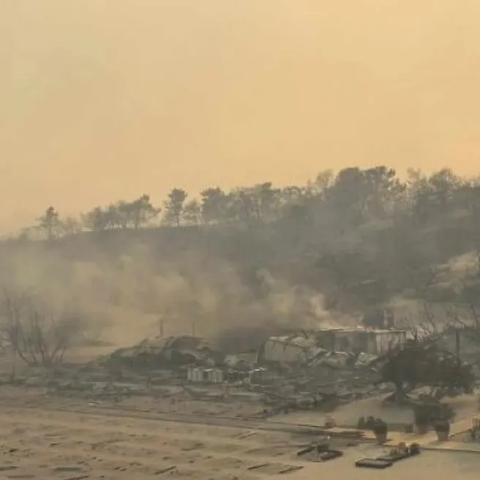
(317, 371)
(290, 372)
(320, 370)
(277, 357)
(320, 366)
(168, 352)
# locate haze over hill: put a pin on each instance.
(109, 99)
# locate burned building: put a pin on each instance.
(288, 349)
(303, 348)
(360, 340)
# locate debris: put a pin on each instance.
(330, 422)
(167, 352)
(336, 360)
(256, 467)
(373, 463)
(287, 349)
(67, 469)
(320, 451)
(165, 470)
(330, 455)
(241, 361)
(306, 450)
(415, 448)
(364, 360)
(195, 374)
(387, 460)
(396, 456)
(290, 470)
(214, 375)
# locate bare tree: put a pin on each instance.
(36, 334)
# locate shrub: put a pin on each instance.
(442, 426)
(380, 428)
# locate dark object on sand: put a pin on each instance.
(409, 428)
(396, 456)
(390, 458)
(380, 430)
(373, 463)
(330, 455)
(306, 450)
(362, 423)
(320, 453)
(414, 448)
(370, 422)
(423, 418)
(442, 428)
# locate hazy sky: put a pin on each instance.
(104, 99)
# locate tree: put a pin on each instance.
(383, 190)
(432, 196)
(174, 206)
(241, 206)
(265, 200)
(348, 195)
(423, 363)
(214, 204)
(443, 184)
(136, 213)
(70, 226)
(377, 237)
(291, 195)
(142, 212)
(359, 195)
(37, 335)
(323, 181)
(122, 215)
(251, 205)
(97, 220)
(49, 222)
(192, 213)
(470, 197)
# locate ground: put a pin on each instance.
(50, 437)
(50, 433)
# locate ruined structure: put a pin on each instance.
(352, 341)
(361, 340)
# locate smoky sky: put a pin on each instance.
(108, 99)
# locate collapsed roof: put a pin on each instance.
(170, 351)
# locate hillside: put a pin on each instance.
(331, 250)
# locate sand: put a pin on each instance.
(43, 436)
